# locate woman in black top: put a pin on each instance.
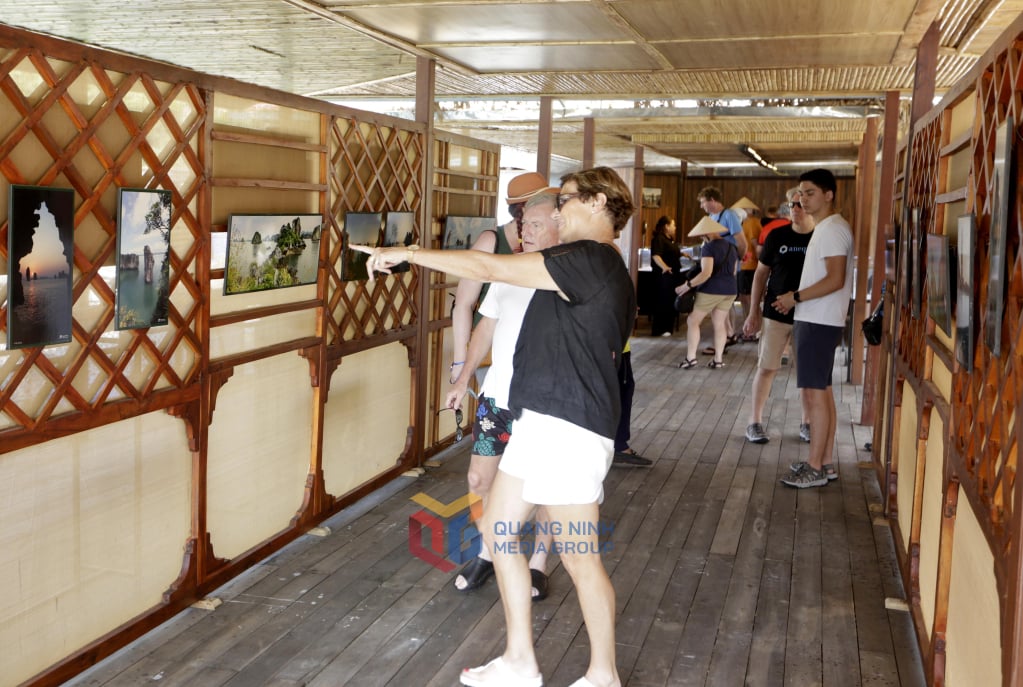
(664, 254)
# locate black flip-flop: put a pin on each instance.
(539, 582)
(476, 572)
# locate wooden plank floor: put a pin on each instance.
(723, 576)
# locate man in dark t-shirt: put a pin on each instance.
(780, 266)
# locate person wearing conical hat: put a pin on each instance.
(711, 201)
(716, 289)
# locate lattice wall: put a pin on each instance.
(94, 131)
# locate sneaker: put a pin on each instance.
(828, 468)
(805, 478)
(630, 458)
(804, 432)
(755, 433)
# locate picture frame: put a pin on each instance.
(271, 251)
(1003, 176)
(918, 257)
(966, 334)
(651, 197)
(142, 284)
(399, 230)
(939, 295)
(461, 232)
(363, 229)
(905, 276)
(40, 250)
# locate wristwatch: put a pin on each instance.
(796, 298)
(410, 253)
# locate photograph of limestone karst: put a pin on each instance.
(361, 229)
(143, 258)
(40, 246)
(462, 232)
(399, 231)
(271, 251)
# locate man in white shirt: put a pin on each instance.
(821, 303)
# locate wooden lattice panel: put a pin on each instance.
(95, 130)
(372, 168)
(986, 399)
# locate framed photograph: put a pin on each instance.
(143, 258)
(271, 252)
(218, 250)
(918, 256)
(939, 295)
(966, 334)
(399, 230)
(651, 197)
(462, 232)
(1003, 174)
(40, 249)
(905, 276)
(361, 228)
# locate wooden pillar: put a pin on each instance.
(865, 202)
(885, 203)
(426, 76)
(636, 235)
(682, 196)
(545, 133)
(925, 73)
(589, 141)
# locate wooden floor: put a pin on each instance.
(723, 576)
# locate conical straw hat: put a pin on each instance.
(706, 227)
(745, 203)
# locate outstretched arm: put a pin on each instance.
(521, 269)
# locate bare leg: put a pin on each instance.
(580, 554)
(503, 518)
(543, 541)
(820, 404)
(761, 390)
(719, 318)
(482, 470)
(693, 332)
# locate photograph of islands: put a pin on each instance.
(40, 245)
(271, 252)
(143, 258)
(361, 228)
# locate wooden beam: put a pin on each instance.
(864, 228)
(589, 138)
(924, 74)
(544, 135)
(885, 203)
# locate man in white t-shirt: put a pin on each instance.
(821, 303)
(498, 332)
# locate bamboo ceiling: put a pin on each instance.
(648, 51)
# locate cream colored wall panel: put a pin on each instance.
(259, 446)
(267, 118)
(366, 416)
(973, 645)
(263, 331)
(907, 461)
(94, 532)
(941, 375)
(930, 519)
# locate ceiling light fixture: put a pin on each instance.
(757, 157)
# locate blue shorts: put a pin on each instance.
(815, 353)
(492, 428)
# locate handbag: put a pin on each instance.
(685, 302)
(873, 326)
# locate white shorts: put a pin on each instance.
(558, 462)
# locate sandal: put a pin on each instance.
(709, 350)
(476, 572)
(687, 363)
(732, 340)
(539, 583)
(715, 365)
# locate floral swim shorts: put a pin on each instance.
(492, 428)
